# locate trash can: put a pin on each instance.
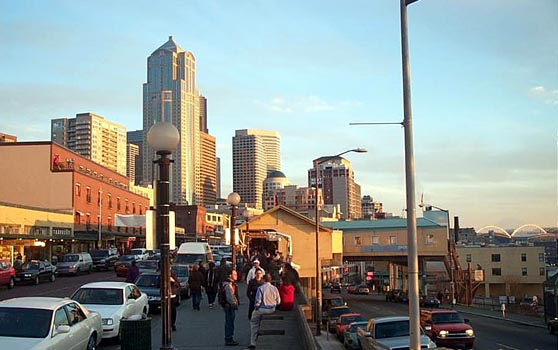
(135, 334)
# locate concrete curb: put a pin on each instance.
(502, 318)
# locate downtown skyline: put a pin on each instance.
(484, 88)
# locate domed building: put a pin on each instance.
(275, 180)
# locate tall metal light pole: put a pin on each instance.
(100, 243)
(163, 137)
(318, 262)
(233, 199)
(428, 207)
(414, 324)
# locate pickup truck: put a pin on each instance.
(389, 333)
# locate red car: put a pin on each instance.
(344, 321)
(7, 274)
(447, 328)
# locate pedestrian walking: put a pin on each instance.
(267, 299)
(223, 272)
(252, 272)
(133, 272)
(211, 284)
(230, 306)
(174, 300)
(251, 290)
(195, 281)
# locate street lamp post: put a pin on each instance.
(100, 242)
(233, 199)
(412, 259)
(318, 262)
(163, 137)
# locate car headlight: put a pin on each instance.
(27, 275)
(153, 297)
(443, 334)
(102, 260)
(469, 332)
(107, 321)
(72, 267)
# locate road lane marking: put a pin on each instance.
(507, 346)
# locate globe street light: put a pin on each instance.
(233, 199)
(318, 265)
(163, 137)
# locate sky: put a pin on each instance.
(484, 82)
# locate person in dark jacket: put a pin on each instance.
(195, 282)
(252, 288)
(211, 284)
(223, 271)
(291, 274)
(133, 272)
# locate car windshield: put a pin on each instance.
(136, 251)
(70, 258)
(99, 296)
(392, 329)
(450, 317)
(31, 266)
(127, 258)
(354, 327)
(334, 313)
(188, 259)
(148, 281)
(99, 253)
(24, 322)
(148, 265)
(337, 302)
(181, 272)
(351, 319)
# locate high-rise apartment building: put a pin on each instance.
(132, 152)
(337, 180)
(93, 137)
(136, 138)
(208, 170)
(371, 209)
(255, 153)
(171, 94)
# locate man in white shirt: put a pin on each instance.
(267, 299)
(252, 272)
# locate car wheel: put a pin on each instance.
(89, 270)
(37, 280)
(52, 278)
(12, 283)
(78, 271)
(92, 342)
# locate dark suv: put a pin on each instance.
(104, 258)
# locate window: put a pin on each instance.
(541, 257)
(542, 271)
(375, 240)
(99, 197)
(133, 207)
(118, 205)
(358, 241)
(523, 271)
(88, 194)
(127, 207)
(523, 257)
(75, 313)
(468, 257)
(429, 239)
(109, 201)
(392, 240)
(61, 318)
(78, 190)
(496, 271)
(495, 257)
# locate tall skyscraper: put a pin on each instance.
(171, 94)
(136, 138)
(93, 137)
(255, 153)
(132, 152)
(337, 181)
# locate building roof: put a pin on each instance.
(362, 225)
(275, 173)
(170, 45)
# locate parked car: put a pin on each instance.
(149, 265)
(362, 289)
(344, 321)
(104, 258)
(36, 271)
(7, 274)
(122, 264)
(140, 253)
(75, 263)
(389, 333)
(393, 294)
(329, 301)
(335, 287)
(429, 301)
(350, 340)
(333, 315)
(114, 301)
(447, 328)
(351, 289)
(42, 323)
(182, 272)
(150, 284)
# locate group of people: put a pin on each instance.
(263, 296)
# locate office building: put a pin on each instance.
(171, 95)
(255, 154)
(136, 138)
(337, 180)
(132, 153)
(93, 137)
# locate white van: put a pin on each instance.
(192, 253)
